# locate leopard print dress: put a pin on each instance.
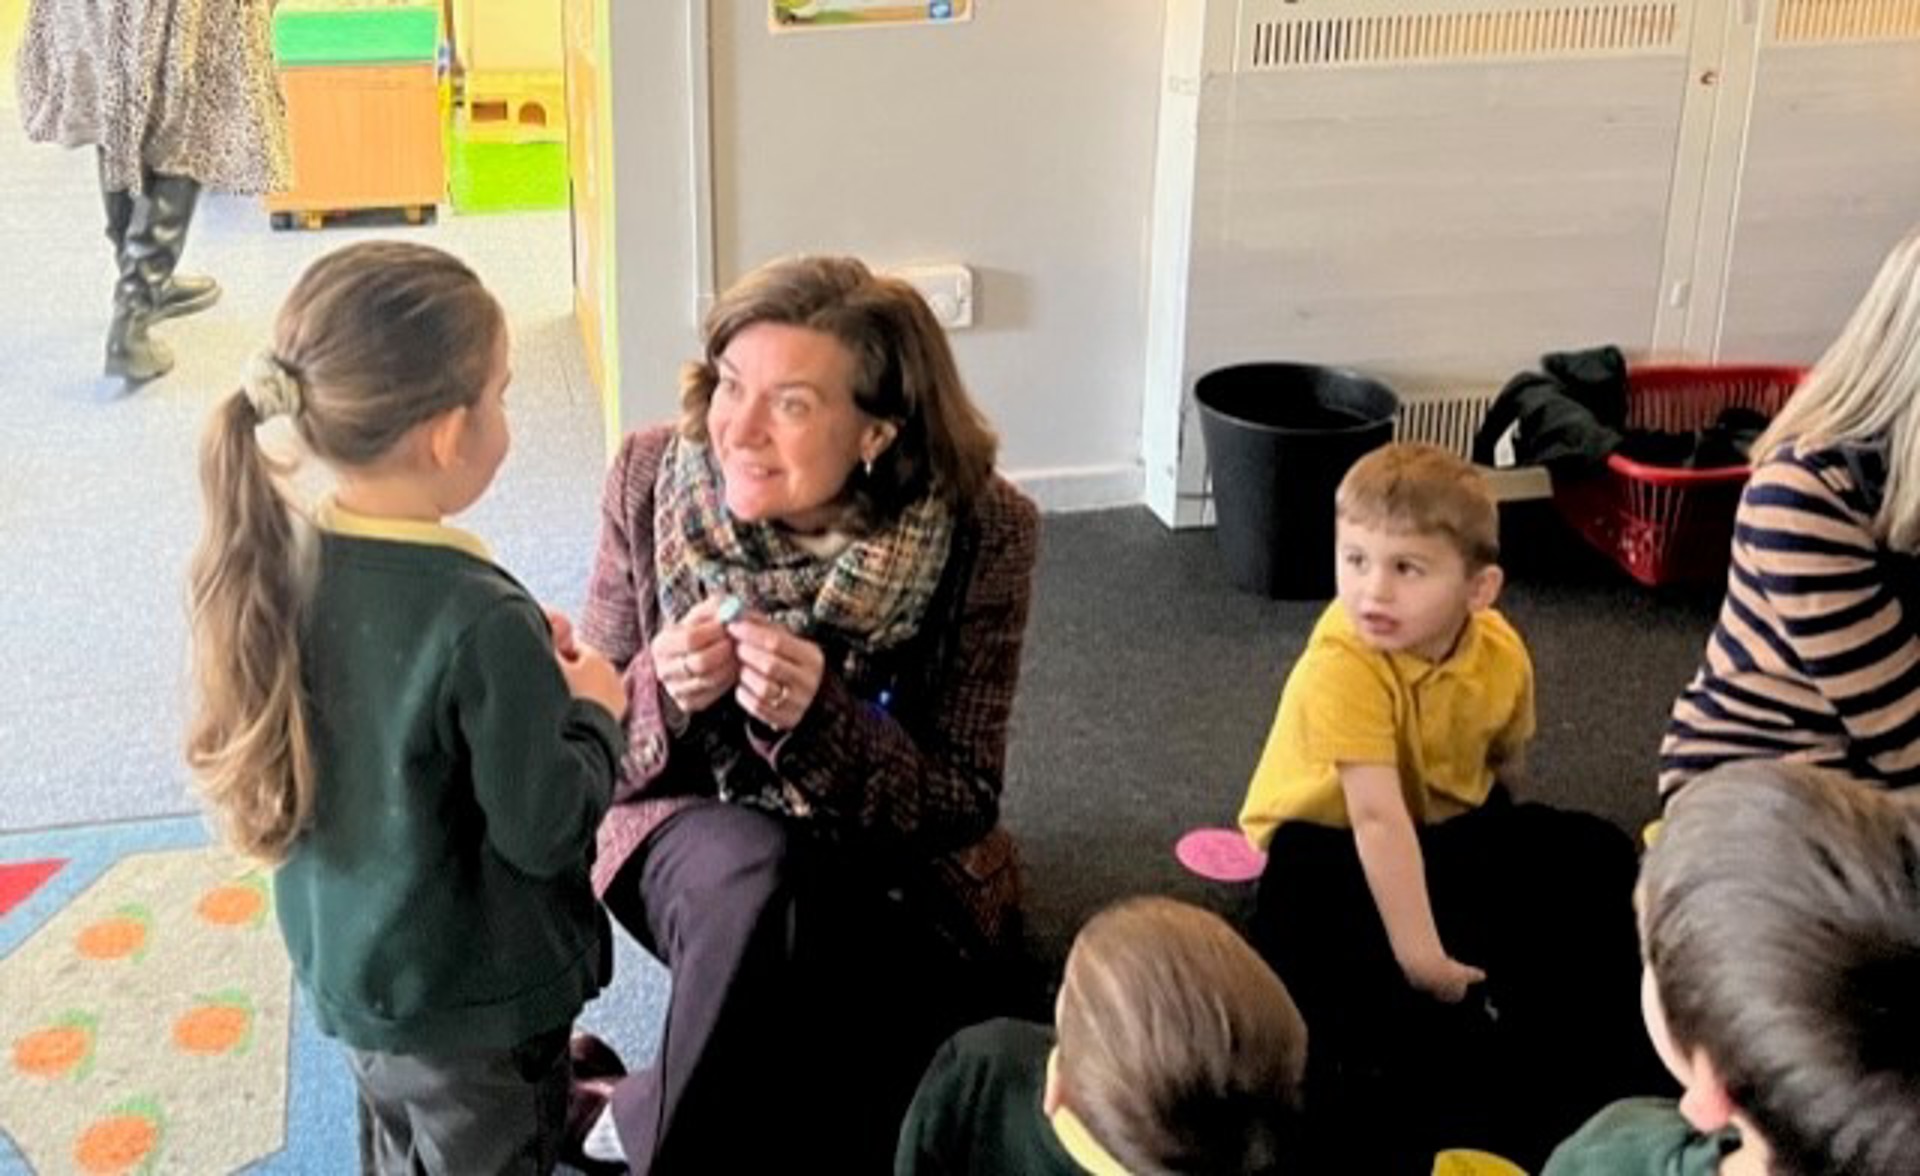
(178, 87)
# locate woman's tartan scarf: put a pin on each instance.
(870, 597)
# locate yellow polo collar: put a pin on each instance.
(329, 515)
(1074, 1137)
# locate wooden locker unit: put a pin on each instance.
(362, 137)
(364, 107)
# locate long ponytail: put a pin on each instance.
(247, 742)
(372, 340)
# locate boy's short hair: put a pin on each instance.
(1179, 1049)
(1780, 914)
(1424, 490)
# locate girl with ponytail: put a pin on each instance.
(389, 718)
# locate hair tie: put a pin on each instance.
(271, 388)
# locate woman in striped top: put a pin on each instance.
(1816, 656)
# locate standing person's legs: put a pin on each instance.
(480, 1111)
(710, 893)
(130, 353)
(181, 294)
(151, 241)
(119, 208)
(174, 199)
(148, 251)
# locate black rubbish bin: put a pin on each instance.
(1279, 437)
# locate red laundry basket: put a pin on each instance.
(1666, 525)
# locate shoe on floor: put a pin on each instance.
(184, 294)
(586, 1101)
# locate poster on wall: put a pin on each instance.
(788, 16)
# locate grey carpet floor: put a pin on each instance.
(1149, 686)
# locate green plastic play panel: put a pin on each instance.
(506, 177)
(355, 32)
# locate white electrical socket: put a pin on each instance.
(947, 286)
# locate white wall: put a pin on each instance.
(653, 161)
(1830, 181)
(1020, 143)
(1436, 192)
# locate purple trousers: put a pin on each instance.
(806, 1000)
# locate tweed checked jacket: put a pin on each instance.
(906, 763)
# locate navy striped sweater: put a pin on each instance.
(1816, 657)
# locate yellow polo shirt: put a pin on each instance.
(1445, 725)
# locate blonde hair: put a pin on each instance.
(1865, 389)
(1780, 915)
(1423, 490)
(373, 339)
(904, 373)
(1179, 1047)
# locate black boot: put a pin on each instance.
(133, 354)
(186, 294)
(119, 204)
(148, 232)
(150, 244)
(183, 293)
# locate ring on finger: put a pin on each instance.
(779, 696)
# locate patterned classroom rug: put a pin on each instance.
(148, 1014)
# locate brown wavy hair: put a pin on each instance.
(1180, 1049)
(1780, 915)
(378, 337)
(904, 373)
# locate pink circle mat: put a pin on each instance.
(1220, 855)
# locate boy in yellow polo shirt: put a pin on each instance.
(1447, 946)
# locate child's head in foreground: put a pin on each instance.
(1417, 547)
(1179, 1048)
(397, 356)
(1780, 920)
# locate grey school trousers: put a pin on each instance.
(482, 1111)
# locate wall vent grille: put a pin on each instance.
(1571, 30)
(1448, 419)
(1829, 21)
